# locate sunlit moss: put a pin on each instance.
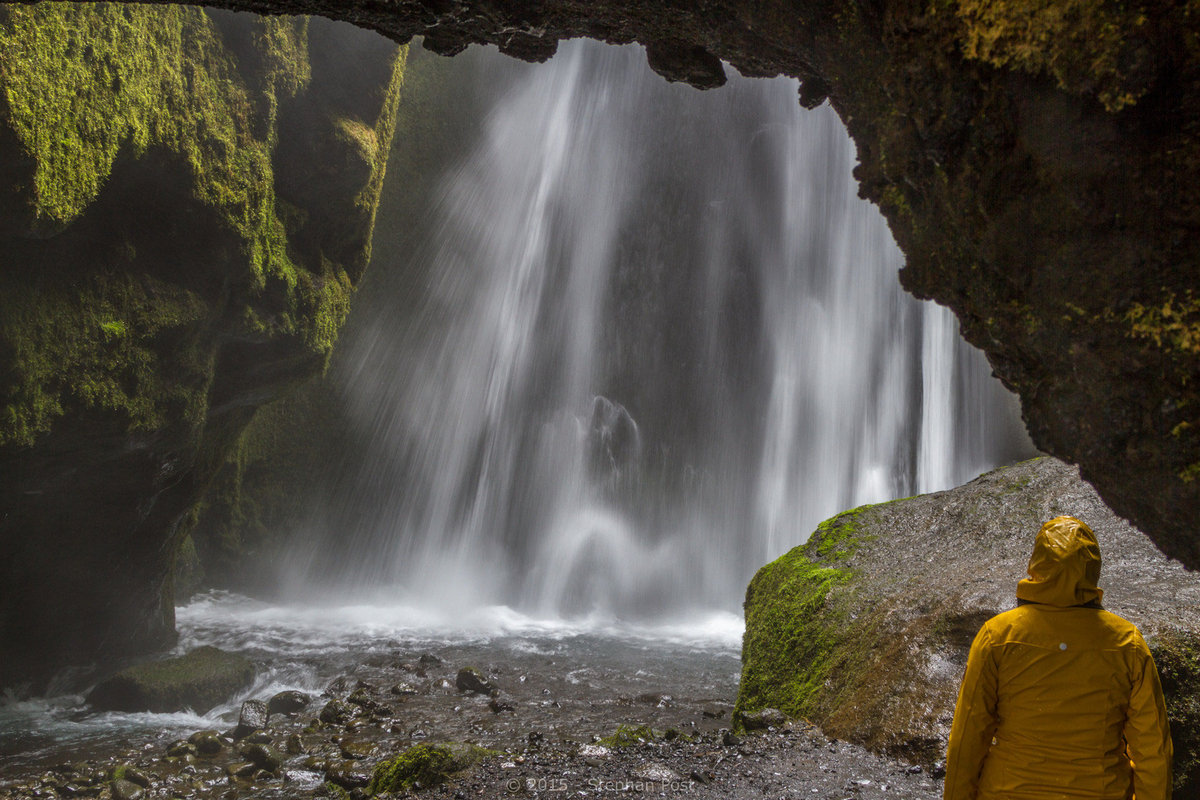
(1085, 45)
(424, 765)
(1173, 324)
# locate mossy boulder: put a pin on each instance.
(423, 766)
(865, 629)
(200, 680)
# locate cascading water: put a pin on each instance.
(646, 340)
(661, 340)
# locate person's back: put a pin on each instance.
(1067, 692)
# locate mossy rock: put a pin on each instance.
(865, 629)
(200, 680)
(423, 766)
(1177, 655)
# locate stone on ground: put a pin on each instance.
(200, 680)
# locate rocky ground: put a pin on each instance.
(796, 760)
(333, 745)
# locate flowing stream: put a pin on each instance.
(649, 338)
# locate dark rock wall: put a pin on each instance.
(188, 199)
(1038, 167)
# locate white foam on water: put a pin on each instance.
(237, 623)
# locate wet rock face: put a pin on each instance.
(1038, 170)
(173, 258)
(865, 630)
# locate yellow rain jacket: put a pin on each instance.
(1060, 699)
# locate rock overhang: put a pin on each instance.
(1038, 172)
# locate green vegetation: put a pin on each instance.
(794, 636)
(199, 680)
(97, 345)
(1173, 325)
(121, 318)
(1082, 44)
(788, 645)
(424, 765)
(1177, 656)
(630, 735)
(84, 82)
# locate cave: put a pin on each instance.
(1038, 173)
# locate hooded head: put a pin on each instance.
(1064, 567)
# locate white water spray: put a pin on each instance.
(662, 340)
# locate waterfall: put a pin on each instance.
(657, 339)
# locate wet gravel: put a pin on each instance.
(796, 761)
(341, 735)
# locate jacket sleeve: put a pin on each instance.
(1147, 734)
(974, 721)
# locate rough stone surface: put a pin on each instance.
(288, 702)
(1038, 168)
(199, 680)
(186, 203)
(423, 766)
(253, 717)
(865, 629)
(127, 790)
(470, 679)
(207, 743)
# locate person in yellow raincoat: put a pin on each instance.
(1061, 698)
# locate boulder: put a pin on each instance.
(203, 678)
(207, 743)
(127, 790)
(263, 756)
(289, 702)
(865, 629)
(253, 717)
(336, 712)
(470, 679)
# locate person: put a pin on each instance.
(1061, 698)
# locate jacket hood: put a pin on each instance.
(1064, 567)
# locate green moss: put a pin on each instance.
(86, 89)
(1177, 656)
(1083, 44)
(802, 647)
(100, 346)
(85, 82)
(331, 790)
(1173, 324)
(787, 646)
(423, 766)
(630, 735)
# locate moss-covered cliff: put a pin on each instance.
(186, 203)
(294, 457)
(865, 629)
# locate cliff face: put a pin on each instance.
(186, 204)
(1037, 163)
